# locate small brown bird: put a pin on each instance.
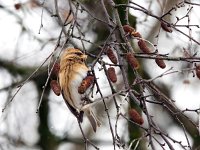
(72, 72)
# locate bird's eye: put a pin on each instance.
(78, 53)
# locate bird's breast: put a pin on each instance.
(77, 76)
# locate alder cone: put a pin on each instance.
(143, 47)
(85, 84)
(197, 69)
(136, 34)
(160, 62)
(133, 62)
(55, 70)
(165, 27)
(55, 87)
(18, 6)
(111, 56)
(186, 81)
(128, 29)
(135, 116)
(111, 74)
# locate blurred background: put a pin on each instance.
(32, 35)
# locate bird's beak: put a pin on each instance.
(84, 57)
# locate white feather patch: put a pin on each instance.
(75, 83)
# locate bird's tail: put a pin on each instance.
(94, 121)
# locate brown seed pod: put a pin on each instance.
(128, 29)
(85, 84)
(55, 70)
(143, 47)
(160, 62)
(18, 6)
(111, 56)
(55, 87)
(197, 69)
(186, 81)
(136, 34)
(112, 75)
(133, 62)
(165, 27)
(135, 116)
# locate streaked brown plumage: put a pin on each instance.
(72, 72)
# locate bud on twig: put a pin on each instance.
(111, 56)
(112, 75)
(135, 116)
(143, 47)
(85, 84)
(165, 27)
(133, 62)
(197, 69)
(160, 62)
(55, 87)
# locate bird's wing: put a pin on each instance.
(79, 115)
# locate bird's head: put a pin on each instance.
(73, 54)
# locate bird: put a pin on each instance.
(73, 70)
